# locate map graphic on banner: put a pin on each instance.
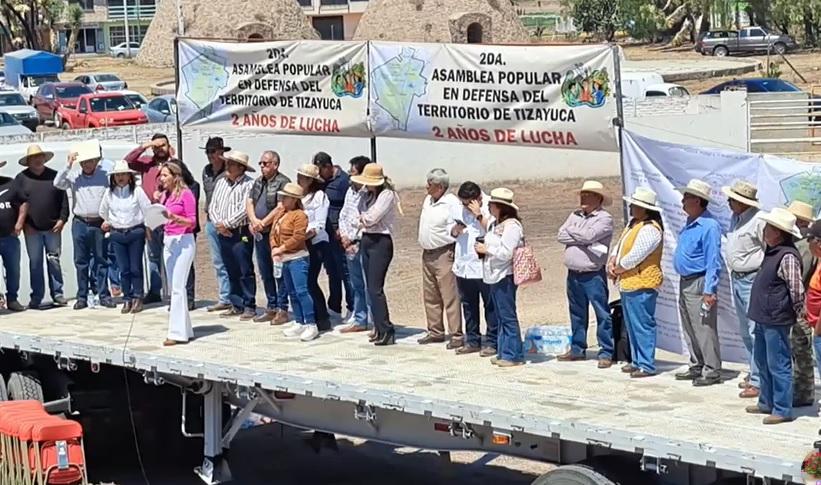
(547, 96)
(279, 87)
(665, 166)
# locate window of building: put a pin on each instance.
(475, 33)
(329, 28)
(136, 33)
(86, 4)
(305, 3)
(130, 3)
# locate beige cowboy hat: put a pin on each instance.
(310, 170)
(643, 197)
(597, 188)
(372, 175)
(291, 190)
(503, 196)
(121, 166)
(33, 151)
(697, 187)
(801, 210)
(782, 219)
(241, 158)
(744, 192)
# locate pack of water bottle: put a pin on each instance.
(547, 340)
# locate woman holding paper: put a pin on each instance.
(123, 211)
(179, 248)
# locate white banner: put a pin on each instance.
(665, 166)
(307, 87)
(545, 96)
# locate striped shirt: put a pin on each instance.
(228, 202)
(789, 270)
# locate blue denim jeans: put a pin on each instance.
(10, 254)
(336, 267)
(50, 244)
(265, 266)
(238, 257)
(503, 296)
(774, 361)
(639, 309)
(223, 283)
(816, 344)
(128, 246)
(470, 291)
(584, 289)
(358, 288)
(90, 259)
(742, 286)
(295, 277)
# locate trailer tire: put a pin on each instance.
(4, 394)
(25, 385)
(573, 475)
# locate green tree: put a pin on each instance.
(74, 18)
(597, 17)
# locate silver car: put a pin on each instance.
(10, 126)
(12, 102)
(122, 50)
(102, 82)
(162, 109)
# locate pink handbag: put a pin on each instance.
(526, 269)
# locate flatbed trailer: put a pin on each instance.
(659, 429)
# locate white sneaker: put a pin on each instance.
(294, 331)
(292, 323)
(351, 319)
(309, 332)
(348, 316)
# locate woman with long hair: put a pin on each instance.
(122, 209)
(179, 248)
(635, 263)
(316, 205)
(378, 228)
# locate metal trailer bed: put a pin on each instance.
(427, 397)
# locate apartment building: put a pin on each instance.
(334, 19)
(104, 23)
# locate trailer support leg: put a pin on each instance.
(214, 467)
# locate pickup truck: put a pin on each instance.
(723, 43)
(100, 110)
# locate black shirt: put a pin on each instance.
(209, 181)
(47, 203)
(9, 206)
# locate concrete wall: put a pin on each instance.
(349, 23)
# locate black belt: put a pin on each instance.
(741, 274)
(91, 221)
(693, 276)
(128, 229)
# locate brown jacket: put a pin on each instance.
(289, 230)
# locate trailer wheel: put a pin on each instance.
(4, 395)
(25, 385)
(573, 475)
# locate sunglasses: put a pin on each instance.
(265, 164)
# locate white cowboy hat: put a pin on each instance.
(291, 190)
(744, 192)
(801, 210)
(311, 171)
(32, 151)
(643, 197)
(88, 150)
(241, 158)
(782, 219)
(697, 187)
(503, 196)
(372, 175)
(597, 188)
(121, 166)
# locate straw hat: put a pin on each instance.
(503, 196)
(801, 210)
(241, 158)
(311, 171)
(643, 197)
(121, 166)
(744, 192)
(291, 190)
(697, 187)
(32, 151)
(372, 175)
(782, 219)
(597, 188)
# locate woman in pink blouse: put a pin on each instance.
(179, 248)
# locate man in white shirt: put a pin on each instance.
(438, 250)
(467, 267)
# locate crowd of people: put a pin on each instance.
(345, 222)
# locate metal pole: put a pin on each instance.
(180, 22)
(373, 149)
(176, 88)
(125, 21)
(620, 125)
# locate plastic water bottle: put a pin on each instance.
(277, 269)
(93, 300)
(705, 310)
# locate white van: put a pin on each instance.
(638, 85)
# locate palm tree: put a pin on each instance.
(74, 18)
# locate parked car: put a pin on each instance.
(10, 126)
(102, 82)
(638, 85)
(121, 50)
(755, 85)
(161, 109)
(100, 110)
(12, 102)
(666, 89)
(2, 78)
(51, 96)
(136, 98)
(747, 40)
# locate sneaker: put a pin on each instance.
(309, 333)
(233, 312)
(351, 319)
(294, 330)
(292, 323)
(15, 306)
(60, 300)
(487, 352)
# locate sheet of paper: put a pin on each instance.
(154, 217)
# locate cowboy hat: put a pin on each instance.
(372, 175)
(33, 151)
(121, 166)
(744, 192)
(215, 143)
(696, 187)
(801, 210)
(503, 196)
(597, 188)
(783, 219)
(311, 171)
(241, 158)
(87, 151)
(291, 190)
(643, 197)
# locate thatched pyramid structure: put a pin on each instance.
(459, 21)
(234, 19)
